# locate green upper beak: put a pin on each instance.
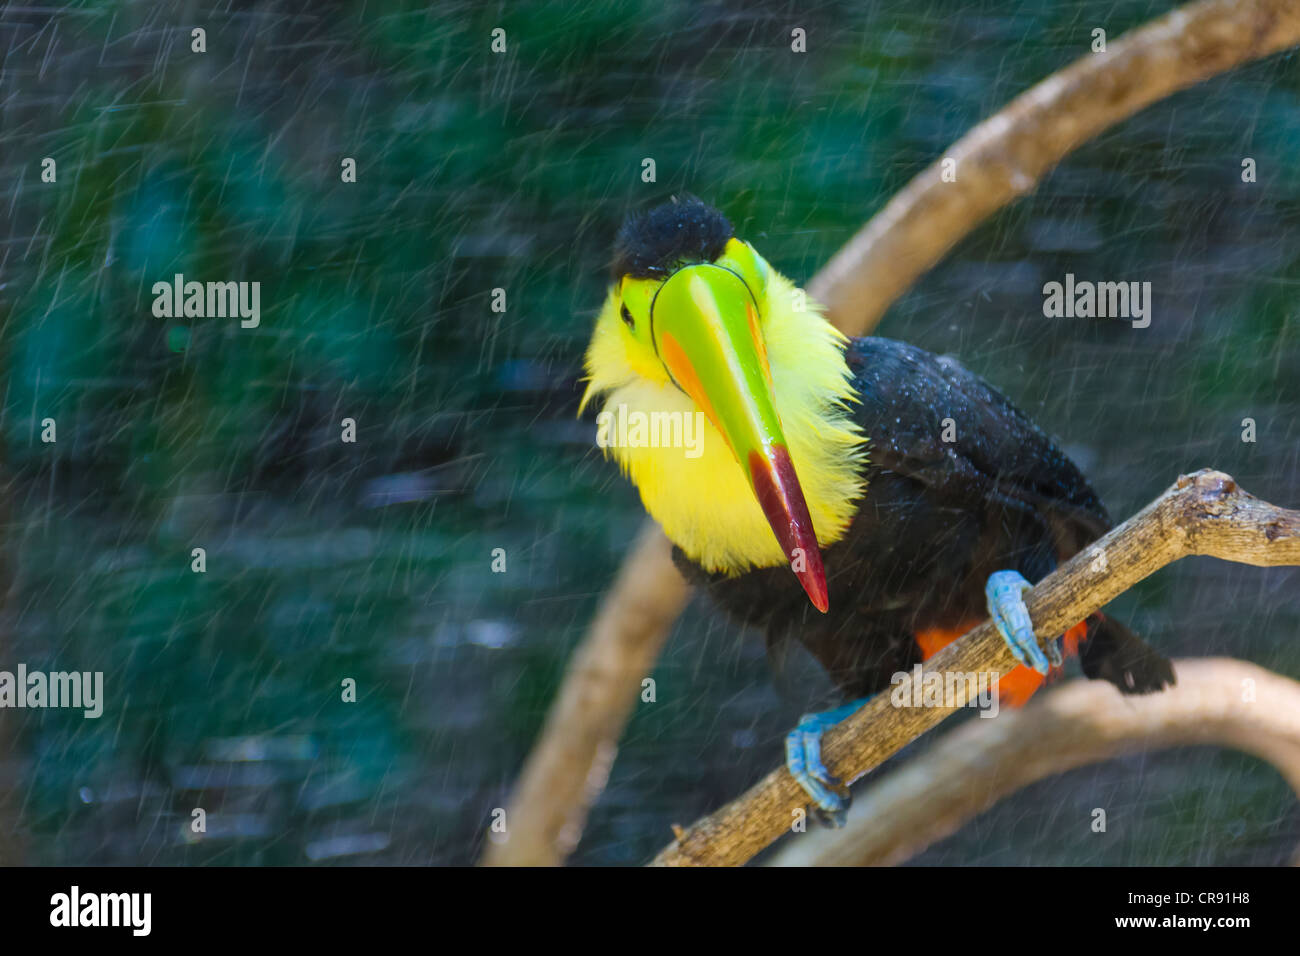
(705, 325)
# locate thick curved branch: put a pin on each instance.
(999, 160)
(1202, 514)
(1217, 702)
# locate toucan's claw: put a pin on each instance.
(803, 758)
(1005, 595)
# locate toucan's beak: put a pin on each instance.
(705, 327)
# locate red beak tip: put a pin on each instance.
(814, 586)
(782, 501)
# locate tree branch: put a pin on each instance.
(1077, 724)
(998, 161)
(1202, 514)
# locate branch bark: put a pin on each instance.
(998, 161)
(1202, 514)
(1077, 724)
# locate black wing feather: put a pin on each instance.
(997, 454)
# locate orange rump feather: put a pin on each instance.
(1016, 687)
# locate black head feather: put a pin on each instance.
(652, 244)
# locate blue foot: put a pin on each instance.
(803, 758)
(1004, 592)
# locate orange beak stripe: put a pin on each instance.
(674, 356)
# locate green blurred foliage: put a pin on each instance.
(479, 171)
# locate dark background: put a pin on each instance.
(477, 171)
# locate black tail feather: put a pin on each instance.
(1115, 654)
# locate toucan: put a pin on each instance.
(860, 496)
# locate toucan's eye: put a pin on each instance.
(627, 317)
